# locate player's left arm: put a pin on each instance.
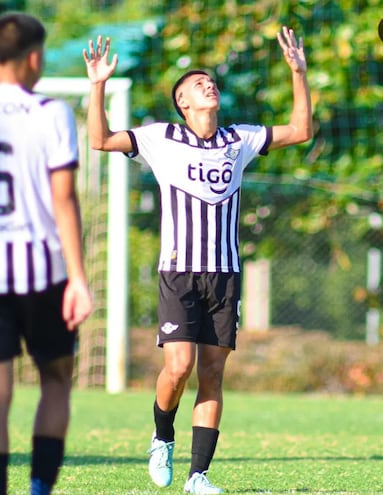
(300, 128)
(77, 302)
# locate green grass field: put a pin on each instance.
(284, 444)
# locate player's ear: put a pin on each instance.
(182, 101)
(36, 59)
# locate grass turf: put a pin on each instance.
(269, 444)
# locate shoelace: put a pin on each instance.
(164, 450)
(203, 480)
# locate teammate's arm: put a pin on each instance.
(99, 71)
(299, 129)
(77, 303)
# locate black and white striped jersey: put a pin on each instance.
(200, 184)
(37, 136)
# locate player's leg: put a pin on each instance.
(206, 416)
(6, 385)
(179, 360)
(177, 307)
(215, 344)
(51, 423)
(52, 347)
(10, 347)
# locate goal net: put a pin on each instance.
(102, 186)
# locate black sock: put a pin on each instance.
(47, 458)
(164, 423)
(203, 447)
(4, 460)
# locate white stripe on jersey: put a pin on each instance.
(200, 190)
(181, 231)
(196, 215)
(205, 236)
(37, 136)
(20, 267)
(211, 238)
(3, 262)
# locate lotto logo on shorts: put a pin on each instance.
(169, 327)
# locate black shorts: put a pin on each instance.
(199, 307)
(37, 318)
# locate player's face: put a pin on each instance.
(199, 92)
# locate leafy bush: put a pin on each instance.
(280, 360)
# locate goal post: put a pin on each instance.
(117, 321)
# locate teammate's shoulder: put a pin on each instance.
(45, 100)
(53, 106)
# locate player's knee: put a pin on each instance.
(179, 373)
(57, 373)
(211, 376)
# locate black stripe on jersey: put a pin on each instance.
(204, 234)
(133, 140)
(230, 137)
(185, 137)
(189, 230)
(46, 100)
(174, 203)
(48, 262)
(10, 273)
(269, 137)
(199, 235)
(182, 134)
(30, 267)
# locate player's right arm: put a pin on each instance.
(99, 71)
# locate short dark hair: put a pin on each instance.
(19, 33)
(179, 82)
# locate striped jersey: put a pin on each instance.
(37, 137)
(200, 184)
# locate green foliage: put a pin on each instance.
(318, 185)
(237, 40)
(143, 260)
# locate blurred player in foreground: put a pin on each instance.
(44, 295)
(199, 167)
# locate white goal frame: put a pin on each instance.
(117, 341)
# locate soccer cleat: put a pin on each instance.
(198, 484)
(161, 462)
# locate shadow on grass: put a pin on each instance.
(19, 459)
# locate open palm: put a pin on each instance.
(292, 51)
(97, 65)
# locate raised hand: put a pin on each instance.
(292, 51)
(97, 65)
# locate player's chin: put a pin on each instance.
(214, 105)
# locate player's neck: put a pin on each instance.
(12, 73)
(204, 125)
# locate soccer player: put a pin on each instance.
(44, 295)
(198, 166)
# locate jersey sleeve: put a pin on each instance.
(147, 141)
(255, 138)
(62, 142)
